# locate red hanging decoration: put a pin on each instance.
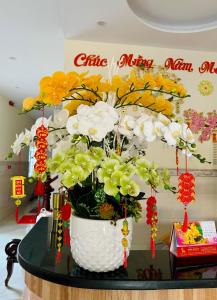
(125, 232)
(65, 213)
(185, 223)
(58, 256)
(41, 145)
(40, 155)
(152, 220)
(186, 194)
(39, 188)
(177, 161)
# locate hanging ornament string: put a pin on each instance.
(152, 220)
(125, 232)
(59, 230)
(177, 161)
(186, 192)
(65, 215)
(40, 156)
(214, 143)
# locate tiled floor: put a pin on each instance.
(9, 230)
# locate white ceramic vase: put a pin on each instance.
(96, 244)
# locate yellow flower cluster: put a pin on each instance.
(191, 236)
(150, 90)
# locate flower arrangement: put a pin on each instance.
(100, 134)
(193, 235)
(204, 125)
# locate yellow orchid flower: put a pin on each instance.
(135, 80)
(149, 78)
(73, 105)
(28, 103)
(92, 81)
(131, 98)
(104, 86)
(44, 82)
(118, 83)
(160, 80)
(168, 109)
(181, 90)
(147, 99)
(73, 79)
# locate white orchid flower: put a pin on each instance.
(163, 119)
(152, 130)
(187, 134)
(139, 128)
(27, 137)
(83, 109)
(17, 145)
(23, 139)
(62, 145)
(102, 108)
(172, 133)
(72, 125)
(148, 130)
(60, 118)
(94, 130)
(127, 125)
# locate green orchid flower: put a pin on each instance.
(84, 161)
(116, 177)
(97, 154)
(110, 188)
(129, 187)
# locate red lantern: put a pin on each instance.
(186, 194)
(42, 132)
(40, 155)
(41, 143)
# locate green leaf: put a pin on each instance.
(100, 195)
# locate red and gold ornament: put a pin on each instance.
(152, 220)
(125, 232)
(40, 165)
(65, 215)
(186, 194)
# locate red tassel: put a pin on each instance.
(39, 188)
(185, 223)
(66, 211)
(66, 237)
(58, 257)
(125, 258)
(152, 243)
(17, 214)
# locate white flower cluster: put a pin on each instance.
(98, 120)
(150, 128)
(93, 121)
(26, 138)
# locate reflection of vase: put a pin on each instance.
(96, 244)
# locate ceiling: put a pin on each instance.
(32, 36)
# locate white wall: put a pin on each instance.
(10, 124)
(170, 210)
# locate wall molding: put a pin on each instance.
(196, 172)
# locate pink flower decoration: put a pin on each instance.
(200, 124)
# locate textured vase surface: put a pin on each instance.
(96, 244)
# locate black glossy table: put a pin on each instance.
(143, 273)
